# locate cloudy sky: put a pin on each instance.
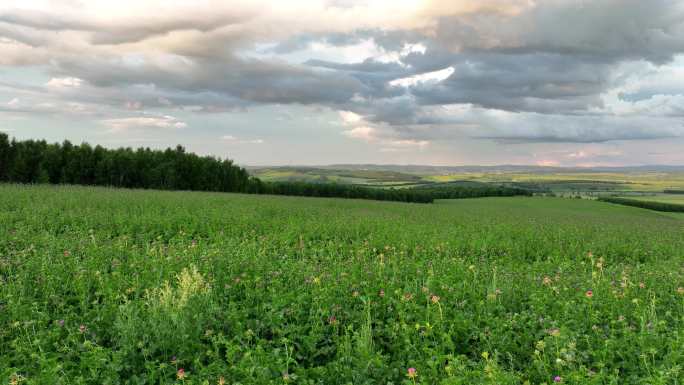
(445, 82)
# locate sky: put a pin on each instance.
(313, 82)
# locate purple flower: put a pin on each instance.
(558, 379)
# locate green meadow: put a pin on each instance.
(663, 198)
(114, 286)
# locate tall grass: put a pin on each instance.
(104, 286)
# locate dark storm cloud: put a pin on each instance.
(387, 40)
(519, 128)
(610, 29)
(540, 82)
(373, 75)
(304, 41)
(251, 80)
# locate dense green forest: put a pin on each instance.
(36, 161)
(334, 190)
(460, 192)
(652, 205)
(172, 169)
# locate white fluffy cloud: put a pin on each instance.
(14, 103)
(385, 139)
(144, 122)
(68, 82)
(369, 134)
(349, 117)
(428, 77)
(234, 140)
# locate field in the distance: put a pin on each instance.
(104, 286)
(651, 179)
(664, 198)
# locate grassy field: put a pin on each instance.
(578, 182)
(664, 198)
(319, 175)
(642, 181)
(104, 286)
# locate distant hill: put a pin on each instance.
(426, 169)
(595, 180)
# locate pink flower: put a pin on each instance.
(412, 373)
(558, 379)
(180, 374)
(589, 293)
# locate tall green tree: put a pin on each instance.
(5, 156)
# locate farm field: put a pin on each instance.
(322, 175)
(664, 198)
(557, 180)
(113, 286)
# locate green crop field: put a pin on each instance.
(664, 198)
(106, 286)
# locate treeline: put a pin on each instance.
(461, 192)
(333, 190)
(673, 191)
(36, 161)
(651, 205)
(172, 169)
